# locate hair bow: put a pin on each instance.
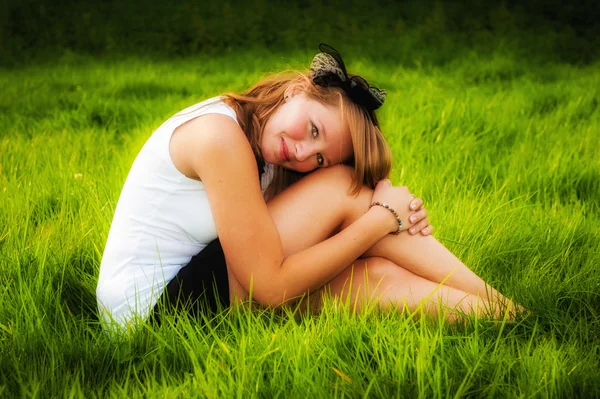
(327, 69)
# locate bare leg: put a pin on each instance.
(319, 205)
(383, 283)
(428, 258)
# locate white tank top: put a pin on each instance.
(162, 219)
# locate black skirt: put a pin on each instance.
(200, 287)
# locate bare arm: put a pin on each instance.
(215, 149)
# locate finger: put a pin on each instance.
(423, 224)
(418, 216)
(416, 203)
(427, 230)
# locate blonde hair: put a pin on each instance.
(372, 157)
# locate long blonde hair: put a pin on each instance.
(372, 157)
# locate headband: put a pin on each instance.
(328, 70)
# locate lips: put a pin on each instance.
(283, 151)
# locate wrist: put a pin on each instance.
(381, 218)
(397, 226)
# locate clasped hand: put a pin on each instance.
(409, 208)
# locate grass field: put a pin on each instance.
(504, 152)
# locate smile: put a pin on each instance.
(283, 151)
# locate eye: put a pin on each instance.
(314, 130)
(320, 159)
(315, 134)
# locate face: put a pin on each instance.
(303, 134)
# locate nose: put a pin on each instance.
(303, 151)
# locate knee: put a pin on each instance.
(338, 179)
(341, 179)
(338, 174)
(376, 270)
(332, 180)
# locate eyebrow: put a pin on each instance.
(322, 130)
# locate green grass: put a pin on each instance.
(504, 152)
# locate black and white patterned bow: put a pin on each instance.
(327, 69)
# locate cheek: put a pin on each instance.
(295, 131)
(269, 134)
(295, 124)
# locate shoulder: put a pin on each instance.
(207, 141)
(210, 129)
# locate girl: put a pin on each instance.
(276, 193)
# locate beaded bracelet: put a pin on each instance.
(389, 208)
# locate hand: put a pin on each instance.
(398, 198)
(418, 221)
